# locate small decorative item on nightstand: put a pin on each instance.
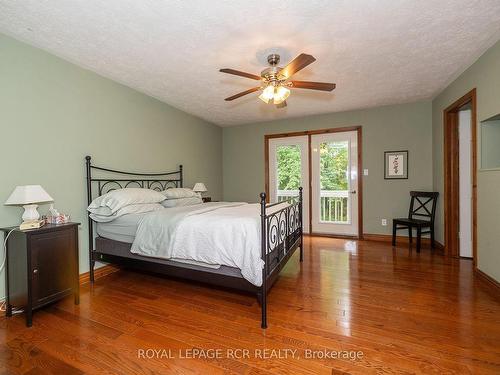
(41, 267)
(55, 217)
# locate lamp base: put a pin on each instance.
(30, 212)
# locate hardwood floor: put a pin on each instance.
(406, 312)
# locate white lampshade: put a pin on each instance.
(29, 194)
(199, 187)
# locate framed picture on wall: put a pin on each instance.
(396, 165)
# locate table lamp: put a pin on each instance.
(199, 187)
(29, 196)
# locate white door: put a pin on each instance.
(465, 183)
(288, 170)
(335, 183)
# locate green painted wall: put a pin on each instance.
(53, 113)
(484, 75)
(489, 158)
(398, 127)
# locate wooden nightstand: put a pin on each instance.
(41, 267)
(206, 199)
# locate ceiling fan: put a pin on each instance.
(275, 81)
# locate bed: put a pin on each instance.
(278, 234)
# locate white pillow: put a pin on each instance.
(178, 193)
(109, 203)
(181, 202)
(130, 209)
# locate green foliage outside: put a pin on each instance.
(333, 166)
(288, 167)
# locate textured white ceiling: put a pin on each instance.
(377, 51)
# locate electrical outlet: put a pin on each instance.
(384, 222)
(365, 172)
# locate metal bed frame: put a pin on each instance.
(281, 234)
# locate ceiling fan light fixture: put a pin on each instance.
(281, 94)
(275, 81)
(267, 95)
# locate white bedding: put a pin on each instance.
(214, 233)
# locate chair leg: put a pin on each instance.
(410, 234)
(432, 238)
(419, 238)
(394, 233)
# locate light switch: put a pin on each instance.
(365, 172)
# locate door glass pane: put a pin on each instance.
(334, 182)
(288, 164)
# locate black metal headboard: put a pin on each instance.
(121, 179)
(154, 181)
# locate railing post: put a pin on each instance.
(301, 226)
(263, 293)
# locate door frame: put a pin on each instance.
(309, 133)
(451, 175)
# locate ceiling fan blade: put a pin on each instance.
(240, 94)
(323, 86)
(281, 105)
(241, 74)
(299, 63)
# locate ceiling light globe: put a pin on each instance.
(281, 94)
(267, 95)
(268, 92)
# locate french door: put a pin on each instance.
(329, 179)
(288, 170)
(334, 183)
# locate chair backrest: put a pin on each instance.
(423, 205)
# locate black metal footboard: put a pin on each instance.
(281, 235)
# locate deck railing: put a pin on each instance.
(333, 204)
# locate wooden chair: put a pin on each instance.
(421, 199)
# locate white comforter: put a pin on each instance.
(214, 233)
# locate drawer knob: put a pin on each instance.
(35, 270)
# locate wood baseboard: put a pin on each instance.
(400, 240)
(490, 282)
(98, 273)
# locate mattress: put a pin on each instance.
(123, 229)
